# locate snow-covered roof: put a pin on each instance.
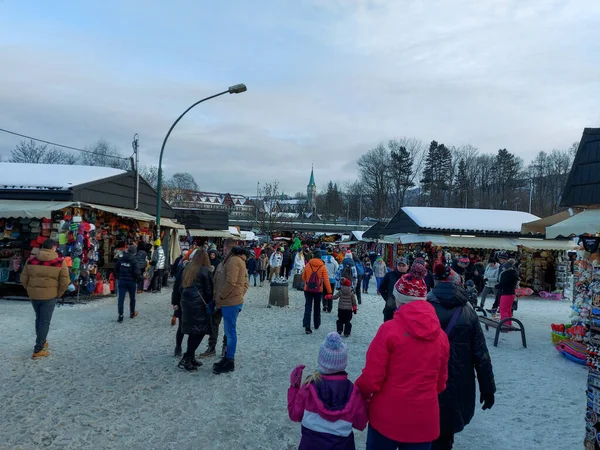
(51, 176)
(292, 202)
(465, 219)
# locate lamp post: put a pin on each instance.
(236, 89)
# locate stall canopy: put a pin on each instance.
(496, 243)
(32, 209)
(546, 244)
(212, 233)
(587, 222)
(539, 226)
(453, 241)
(129, 213)
(168, 223)
(248, 236)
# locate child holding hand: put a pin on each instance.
(327, 404)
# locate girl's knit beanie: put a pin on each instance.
(333, 356)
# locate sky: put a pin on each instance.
(327, 80)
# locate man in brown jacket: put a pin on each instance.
(46, 278)
(230, 285)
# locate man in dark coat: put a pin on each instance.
(386, 290)
(127, 272)
(286, 262)
(468, 355)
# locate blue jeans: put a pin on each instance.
(366, 283)
(43, 315)
(377, 441)
(123, 287)
(378, 280)
(230, 315)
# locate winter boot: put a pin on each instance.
(186, 363)
(133, 314)
(40, 354)
(177, 351)
(210, 352)
(195, 362)
(220, 363)
(120, 319)
(308, 331)
(227, 366)
(46, 345)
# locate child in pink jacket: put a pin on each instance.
(327, 404)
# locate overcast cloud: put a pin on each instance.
(327, 79)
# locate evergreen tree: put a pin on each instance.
(507, 168)
(401, 170)
(438, 166)
(461, 185)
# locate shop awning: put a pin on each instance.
(32, 209)
(121, 212)
(168, 223)
(539, 226)
(248, 236)
(212, 233)
(546, 244)
(497, 243)
(586, 222)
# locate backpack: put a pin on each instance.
(347, 272)
(314, 282)
(360, 269)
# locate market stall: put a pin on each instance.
(90, 237)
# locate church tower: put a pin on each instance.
(311, 193)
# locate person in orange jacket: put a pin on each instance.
(316, 279)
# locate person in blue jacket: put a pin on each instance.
(367, 277)
(360, 272)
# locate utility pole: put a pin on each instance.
(135, 146)
(256, 203)
(360, 208)
(530, 194)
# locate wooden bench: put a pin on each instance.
(501, 326)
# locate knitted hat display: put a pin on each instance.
(410, 288)
(333, 355)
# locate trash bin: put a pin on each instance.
(278, 295)
(298, 284)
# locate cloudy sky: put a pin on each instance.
(327, 79)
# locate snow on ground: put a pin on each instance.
(116, 386)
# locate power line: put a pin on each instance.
(60, 145)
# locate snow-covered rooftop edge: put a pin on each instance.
(51, 176)
(490, 220)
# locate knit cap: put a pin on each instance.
(333, 356)
(410, 287)
(132, 249)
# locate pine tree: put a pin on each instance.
(462, 185)
(436, 174)
(401, 170)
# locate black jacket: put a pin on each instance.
(386, 289)
(468, 354)
(287, 258)
(176, 294)
(214, 262)
(252, 265)
(507, 283)
(127, 268)
(142, 259)
(194, 318)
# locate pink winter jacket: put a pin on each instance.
(406, 369)
(328, 410)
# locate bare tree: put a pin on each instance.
(271, 217)
(150, 174)
(105, 155)
(374, 174)
(34, 153)
(183, 181)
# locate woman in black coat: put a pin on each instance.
(468, 356)
(196, 295)
(142, 259)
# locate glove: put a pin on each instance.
(487, 400)
(354, 309)
(296, 376)
(173, 321)
(328, 297)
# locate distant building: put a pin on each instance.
(311, 194)
(237, 205)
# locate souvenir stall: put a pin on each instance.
(90, 238)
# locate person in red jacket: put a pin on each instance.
(405, 370)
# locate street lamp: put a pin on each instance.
(235, 89)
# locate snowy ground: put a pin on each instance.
(116, 386)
